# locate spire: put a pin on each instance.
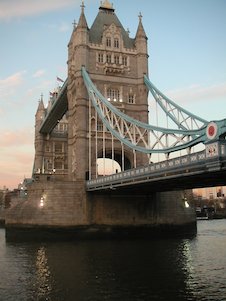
(41, 104)
(82, 20)
(140, 30)
(41, 108)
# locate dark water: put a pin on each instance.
(164, 269)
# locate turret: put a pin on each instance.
(39, 139)
(141, 46)
(78, 55)
(78, 44)
(40, 113)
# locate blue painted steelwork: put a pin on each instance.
(182, 137)
(170, 107)
(136, 132)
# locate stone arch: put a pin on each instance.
(117, 158)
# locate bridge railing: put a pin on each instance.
(160, 169)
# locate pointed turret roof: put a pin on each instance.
(41, 106)
(140, 30)
(82, 19)
(106, 17)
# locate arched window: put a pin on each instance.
(100, 57)
(108, 42)
(116, 43)
(116, 59)
(58, 164)
(113, 94)
(108, 58)
(124, 60)
(131, 98)
(47, 147)
(58, 147)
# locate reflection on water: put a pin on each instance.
(164, 269)
(43, 278)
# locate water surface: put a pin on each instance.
(159, 269)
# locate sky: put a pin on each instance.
(186, 45)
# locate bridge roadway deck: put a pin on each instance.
(58, 109)
(186, 172)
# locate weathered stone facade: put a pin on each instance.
(116, 64)
(51, 151)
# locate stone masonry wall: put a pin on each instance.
(64, 204)
(161, 208)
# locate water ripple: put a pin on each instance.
(171, 269)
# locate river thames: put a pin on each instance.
(122, 270)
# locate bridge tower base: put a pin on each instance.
(64, 210)
(138, 214)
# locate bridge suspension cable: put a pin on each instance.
(184, 119)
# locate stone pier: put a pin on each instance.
(57, 209)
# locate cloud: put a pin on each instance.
(60, 27)
(8, 84)
(16, 160)
(15, 166)
(198, 93)
(18, 138)
(13, 8)
(45, 85)
(39, 73)
(11, 180)
(64, 27)
(16, 156)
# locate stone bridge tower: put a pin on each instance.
(59, 203)
(116, 64)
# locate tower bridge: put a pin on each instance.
(101, 111)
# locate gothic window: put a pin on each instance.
(113, 94)
(116, 43)
(100, 58)
(49, 165)
(131, 98)
(58, 165)
(108, 42)
(108, 58)
(61, 127)
(58, 147)
(116, 59)
(47, 147)
(124, 60)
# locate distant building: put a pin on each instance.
(22, 187)
(210, 192)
